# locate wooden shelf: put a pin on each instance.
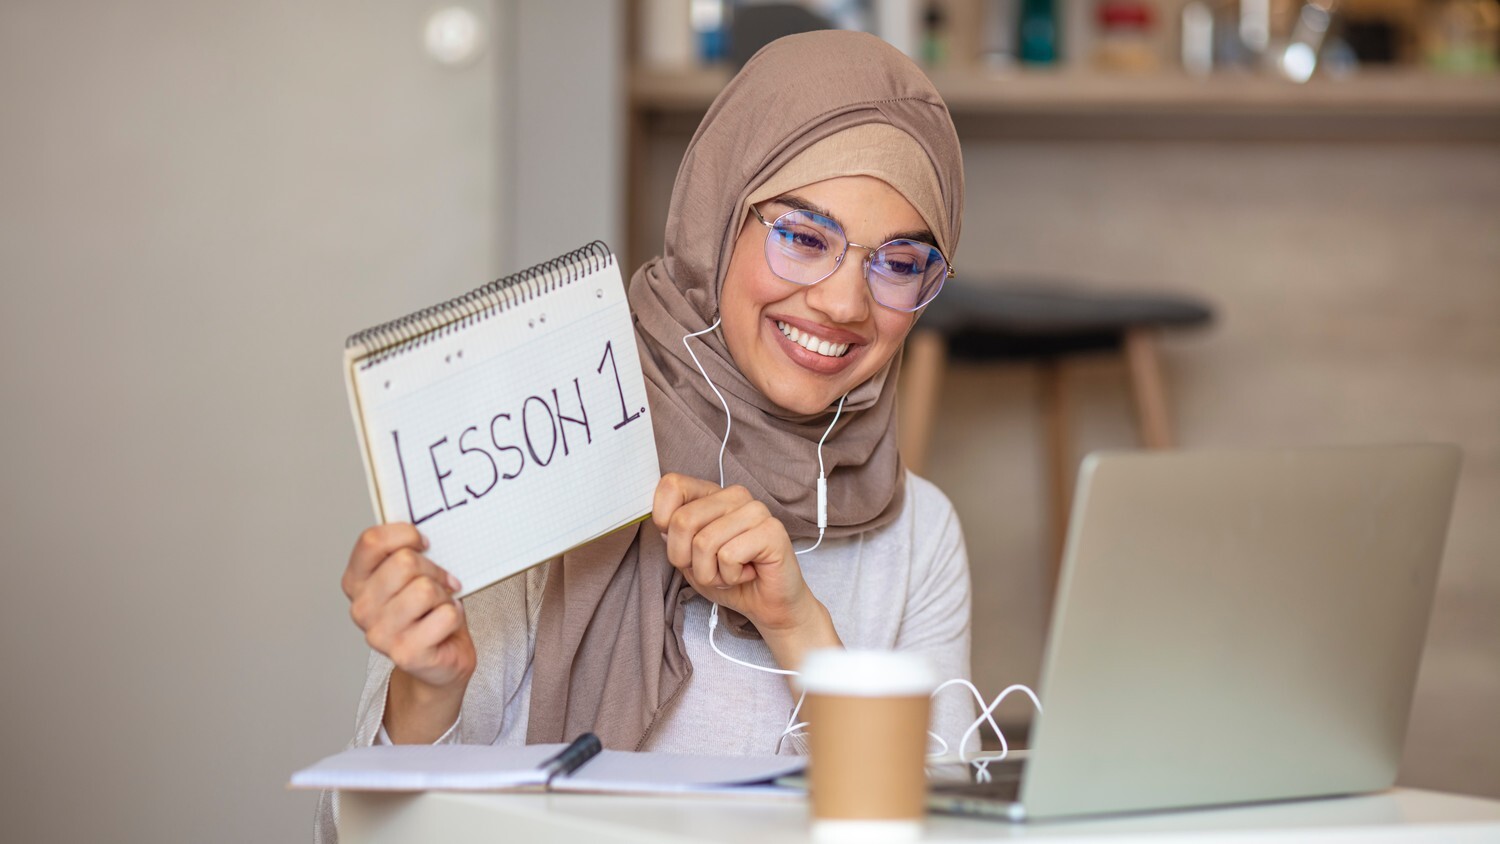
(1393, 94)
(1463, 107)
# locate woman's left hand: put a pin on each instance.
(735, 553)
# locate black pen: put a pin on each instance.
(572, 757)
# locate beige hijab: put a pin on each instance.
(609, 655)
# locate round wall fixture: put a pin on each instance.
(454, 36)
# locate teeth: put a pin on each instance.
(811, 343)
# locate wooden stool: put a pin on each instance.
(1045, 323)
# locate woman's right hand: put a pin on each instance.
(406, 607)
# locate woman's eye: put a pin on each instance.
(901, 266)
(905, 261)
(802, 240)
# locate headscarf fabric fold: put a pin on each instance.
(609, 652)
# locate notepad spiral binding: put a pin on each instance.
(398, 336)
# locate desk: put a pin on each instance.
(1396, 815)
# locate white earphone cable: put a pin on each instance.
(986, 715)
(981, 763)
(823, 482)
(728, 421)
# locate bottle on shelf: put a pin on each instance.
(710, 20)
(999, 34)
(935, 41)
(1197, 38)
(666, 35)
(1037, 41)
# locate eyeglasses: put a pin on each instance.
(804, 247)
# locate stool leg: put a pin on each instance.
(926, 358)
(1059, 464)
(1149, 388)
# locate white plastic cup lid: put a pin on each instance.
(866, 673)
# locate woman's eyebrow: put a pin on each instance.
(797, 203)
(919, 235)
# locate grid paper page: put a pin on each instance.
(518, 437)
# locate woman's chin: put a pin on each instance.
(803, 400)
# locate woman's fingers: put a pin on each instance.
(394, 573)
(420, 645)
(391, 632)
(721, 548)
(416, 599)
(765, 542)
(722, 540)
(672, 492)
(686, 541)
(373, 546)
(405, 605)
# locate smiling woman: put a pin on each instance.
(809, 226)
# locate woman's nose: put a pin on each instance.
(845, 295)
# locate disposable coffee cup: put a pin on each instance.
(867, 714)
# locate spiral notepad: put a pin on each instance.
(509, 424)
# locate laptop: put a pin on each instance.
(1230, 627)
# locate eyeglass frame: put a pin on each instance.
(869, 252)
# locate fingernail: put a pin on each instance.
(723, 586)
(425, 543)
(453, 584)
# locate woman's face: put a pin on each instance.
(762, 313)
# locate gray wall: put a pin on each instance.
(565, 140)
(198, 202)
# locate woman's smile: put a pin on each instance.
(822, 349)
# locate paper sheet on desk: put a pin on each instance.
(665, 773)
(467, 767)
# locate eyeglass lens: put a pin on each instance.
(805, 248)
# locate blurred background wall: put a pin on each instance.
(198, 201)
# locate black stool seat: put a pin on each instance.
(1045, 322)
(1029, 320)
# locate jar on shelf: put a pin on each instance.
(1126, 37)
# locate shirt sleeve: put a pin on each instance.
(449, 737)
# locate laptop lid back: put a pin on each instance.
(1237, 626)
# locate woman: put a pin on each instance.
(822, 140)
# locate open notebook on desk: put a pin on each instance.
(469, 767)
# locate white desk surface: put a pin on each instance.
(1397, 815)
